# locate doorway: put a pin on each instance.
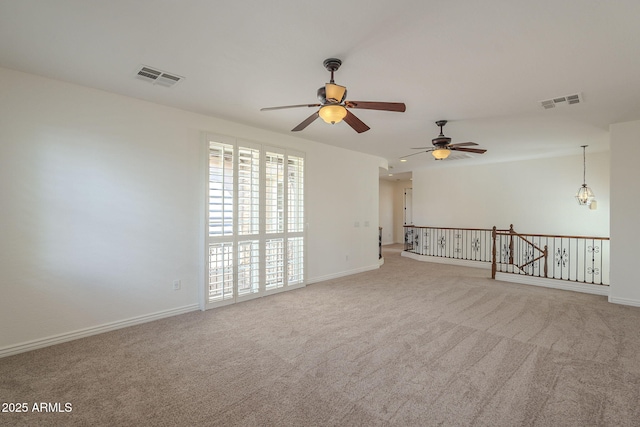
(408, 206)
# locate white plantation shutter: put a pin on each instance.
(220, 220)
(255, 233)
(274, 186)
(248, 220)
(274, 220)
(248, 191)
(220, 189)
(220, 271)
(248, 267)
(295, 184)
(274, 263)
(295, 219)
(295, 258)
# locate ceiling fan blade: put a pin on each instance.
(355, 123)
(289, 106)
(420, 148)
(369, 105)
(413, 154)
(469, 150)
(462, 144)
(306, 122)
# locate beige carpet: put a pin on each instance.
(411, 344)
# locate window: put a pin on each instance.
(255, 211)
(221, 190)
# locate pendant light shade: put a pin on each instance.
(585, 195)
(441, 153)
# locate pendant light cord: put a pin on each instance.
(584, 166)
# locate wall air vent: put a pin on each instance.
(157, 77)
(562, 100)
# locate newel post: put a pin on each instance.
(511, 233)
(546, 252)
(494, 261)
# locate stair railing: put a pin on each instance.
(527, 261)
(583, 259)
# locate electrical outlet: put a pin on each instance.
(177, 284)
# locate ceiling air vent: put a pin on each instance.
(157, 77)
(574, 99)
(561, 100)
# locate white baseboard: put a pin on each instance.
(586, 288)
(450, 261)
(94, 330)
(342, 274)
(624, 301)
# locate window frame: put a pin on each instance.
(299, 268)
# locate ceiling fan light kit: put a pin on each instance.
(334, 107)
(332, 113)
(441, 153)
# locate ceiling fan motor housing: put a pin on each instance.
(441, 141)
(322, 95)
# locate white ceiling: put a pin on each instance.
(482, 65)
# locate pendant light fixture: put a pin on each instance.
(584, 196)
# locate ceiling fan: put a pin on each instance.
(442, 146)
(334, 107)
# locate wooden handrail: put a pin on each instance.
(557, 236)
(449, 228)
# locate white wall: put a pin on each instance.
(625, 205)
(342, 206)
(392, 210)
(387, 209)
(398, 209)
(536, 196)
(102, 200)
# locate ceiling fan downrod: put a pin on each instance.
(332, 64)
